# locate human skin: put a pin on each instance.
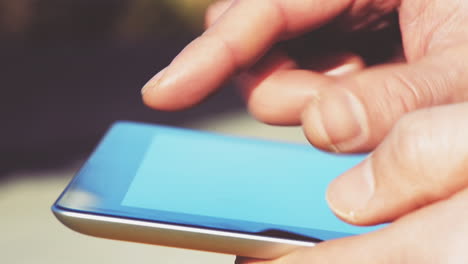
(410, 112)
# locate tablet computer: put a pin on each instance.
(198, 190)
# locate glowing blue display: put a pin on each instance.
(241, 179)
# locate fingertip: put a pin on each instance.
(350, 194)
(150, 93)
(191, 76)
(165, 102)
(153, 82)
(159, 98)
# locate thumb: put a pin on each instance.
(355, 114)
(434, 234)
(423, 160)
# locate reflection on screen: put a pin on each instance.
(238, 179)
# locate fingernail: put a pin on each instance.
(339, 120)
(349, 194)
(343, 70)
(314, 128)
(153, 82)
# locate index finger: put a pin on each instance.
(242, 35)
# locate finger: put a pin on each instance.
(277, 92)
(242, 35)
(355, 114)
(215, 11)
(268, 89)
(436, 234)
(423, 159)
(280, 98)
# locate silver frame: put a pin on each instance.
(172, 235)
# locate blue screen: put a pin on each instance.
(241, 179)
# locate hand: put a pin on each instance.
(347, 107)
(351, 112)
(422, 162)
(433, 235)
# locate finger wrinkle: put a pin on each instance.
(215, 11)
(278, 5)
(229, 49)
(242, 39)
(413, 97)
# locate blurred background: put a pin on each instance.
(68, 69)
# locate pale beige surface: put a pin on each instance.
(29, 233)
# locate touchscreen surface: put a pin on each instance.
(238, 179)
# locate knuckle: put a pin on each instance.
(409, 132)
(405, 147)
(403, 90)
(414, 155)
